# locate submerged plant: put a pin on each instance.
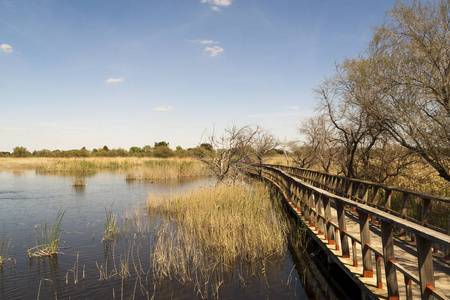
(5, 247)
(111, 228)
(47, 237)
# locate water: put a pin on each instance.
(28, 198)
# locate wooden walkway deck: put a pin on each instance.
(338, 225)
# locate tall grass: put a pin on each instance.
(47, 238)
(168, 168)
(210, 231)
(111, 228)
(145, 168)
(5, 247)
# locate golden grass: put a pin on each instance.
(210, 230)
(278, 160)
(144, 168)
(22, 164)
(168, 168)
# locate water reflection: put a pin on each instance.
(79, 189)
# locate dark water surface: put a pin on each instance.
(28, 199)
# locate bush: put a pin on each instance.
(163, 152)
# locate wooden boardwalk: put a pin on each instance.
(391, 264)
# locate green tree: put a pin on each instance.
(163, 143)
(163, 152)
(21, 152)
(136, 151)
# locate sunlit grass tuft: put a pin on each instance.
(47, 237)
(111, 228)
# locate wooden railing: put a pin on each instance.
(313, 194)
(370, 193)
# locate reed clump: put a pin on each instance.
(47, 237)
(5, 247)
(111, 228)
(79, 181)
(210, 230)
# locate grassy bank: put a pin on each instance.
(143, 168)
(168, 168)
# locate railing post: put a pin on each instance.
(318, 206)
(426, 207)
(404, 212)
(356, 187)
(388, 253)
(425, 259)
(365, 193)
(374, 201)
(349, 189)
(342, 227)
(447, 251)
(379, 279)
(355, 255)
(309, 213)
(329, 229)
(387, 199)
(408, 285)
(365, 242)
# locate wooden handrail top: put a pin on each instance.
(417, 229)
(378, 185)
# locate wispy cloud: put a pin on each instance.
(216, 4)
(6, 48)
(214, 51)
(203, 42)
(115, 80)
(164, 108)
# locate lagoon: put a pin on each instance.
(90, 269)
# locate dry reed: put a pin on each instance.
(209, 231)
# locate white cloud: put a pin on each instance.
(203, 42)
(6, 48)
(164, 108)
(114, 80)
(216, 4)
(214, 51)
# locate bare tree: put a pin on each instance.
(355, 131)
(261, 144)
(231, 152)
(319, 146)
(410, 60)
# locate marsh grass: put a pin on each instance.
(210, 231)
(422, 178)
(79, 181)
(5, 247)
(111, 228)
(47, 238)
(168, 168)
(144, 168)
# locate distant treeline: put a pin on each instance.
(160, 150)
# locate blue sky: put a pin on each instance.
(125, 73)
